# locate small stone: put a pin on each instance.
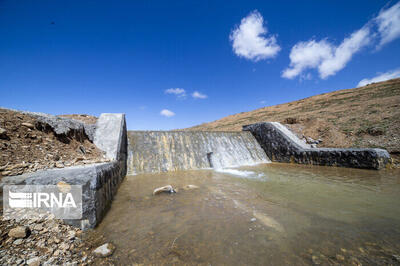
(17, 242)
(396, 257)
(105, 250)
(253, 219)
(59, 165)
(3, 133)
(71, 234)
(339, 257)
(64, 246)
(19, 232)
(33, 262)
(28, 125)
(57, 253)
(38, 227)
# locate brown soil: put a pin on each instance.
(25, 148)
(368, 116)
(88, 119)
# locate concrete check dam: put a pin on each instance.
(162, 151)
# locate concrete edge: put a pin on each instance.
(99, 181)
(282, 147)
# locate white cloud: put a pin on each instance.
(167, 113)
(388, 22)
(306, 55)
(249, 39)
(344, 52)
(177, 91)
(381, 77)
(325, 56)
(198, 95)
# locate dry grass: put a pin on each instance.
(368, 116)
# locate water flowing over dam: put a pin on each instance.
(161, 151)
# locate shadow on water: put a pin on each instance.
(267, 214)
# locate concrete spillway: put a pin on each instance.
(161, 151)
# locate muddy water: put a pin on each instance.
(268, 214)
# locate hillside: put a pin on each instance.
(367, 116)
(28, 144)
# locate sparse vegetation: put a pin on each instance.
(368, 116)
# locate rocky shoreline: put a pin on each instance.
(41, 242)
(48, 241)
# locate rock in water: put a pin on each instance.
(189, 187)
(19, 232)
(167, 188)
(104, 250)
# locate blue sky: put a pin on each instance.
(126, 56)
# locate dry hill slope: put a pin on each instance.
(368, 116)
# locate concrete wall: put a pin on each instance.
(281, 145)
(162, 151)
(99, 181)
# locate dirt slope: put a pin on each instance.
(26, 146)
(368, 116)
(88, 119)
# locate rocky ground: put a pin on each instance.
(29, 143)
(34, 141)
(47, 241)
(88, 119)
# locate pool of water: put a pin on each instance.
(267, 214)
